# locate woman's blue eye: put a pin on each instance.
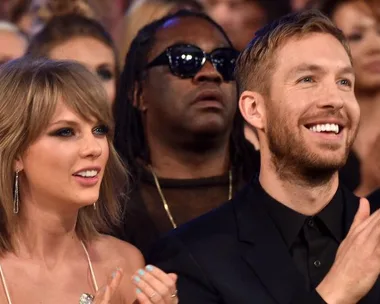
(101, 130)
(64, 132)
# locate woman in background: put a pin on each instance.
(18, 12)
(59, 182)
(44, 10)
(360, 25)
(74, 37)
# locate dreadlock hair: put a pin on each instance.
(130, 139)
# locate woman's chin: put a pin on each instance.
(87, 202)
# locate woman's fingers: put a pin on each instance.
(114, 280)
(145, 293)
(143, 298)
(173, 276)
(155, 286)
(102, 296)
(105, 293)
(167, 279)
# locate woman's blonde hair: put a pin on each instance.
(29, 93)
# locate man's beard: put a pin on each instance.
(292, 158)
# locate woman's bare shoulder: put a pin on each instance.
(116, 252)
(109, 254)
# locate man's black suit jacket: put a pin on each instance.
(236, 255)
(374, 198)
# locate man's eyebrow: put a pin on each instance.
(306, 67)
(347, 70)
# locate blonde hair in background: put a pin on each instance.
(29, 93)
(141, 13)
(257, 62)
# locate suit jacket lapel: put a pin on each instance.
(263, 248)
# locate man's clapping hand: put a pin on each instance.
(357, 263)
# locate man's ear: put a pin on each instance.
(138, 98)
(251, 105)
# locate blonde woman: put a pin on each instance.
(59, 182)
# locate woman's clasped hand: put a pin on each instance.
(152, 286)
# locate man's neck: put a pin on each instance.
(297, 193)
(184, 163)
(369, 122)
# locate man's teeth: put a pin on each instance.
(88, 173)
(325, 128)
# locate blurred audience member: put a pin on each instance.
(45, 10)
(298, 5)
(19, 13)
(110, 13)
(73, 37)
(375, 7)
(143, 12)
(13, 42)
(3, 9)
(357, 21)
(177, 126)
(241, 18)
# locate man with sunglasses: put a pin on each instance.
(177, 126)
(295, 234)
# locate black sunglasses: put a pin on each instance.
(186, 60)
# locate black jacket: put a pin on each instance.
(374, 198)
(236, 255)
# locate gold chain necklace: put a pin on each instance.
(165, 203)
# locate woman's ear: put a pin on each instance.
(18, 164)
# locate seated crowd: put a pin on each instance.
(185, 151)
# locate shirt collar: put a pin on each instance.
(289, 222)
(332, 216)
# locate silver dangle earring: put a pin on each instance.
(94, 205)
(16, 199)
